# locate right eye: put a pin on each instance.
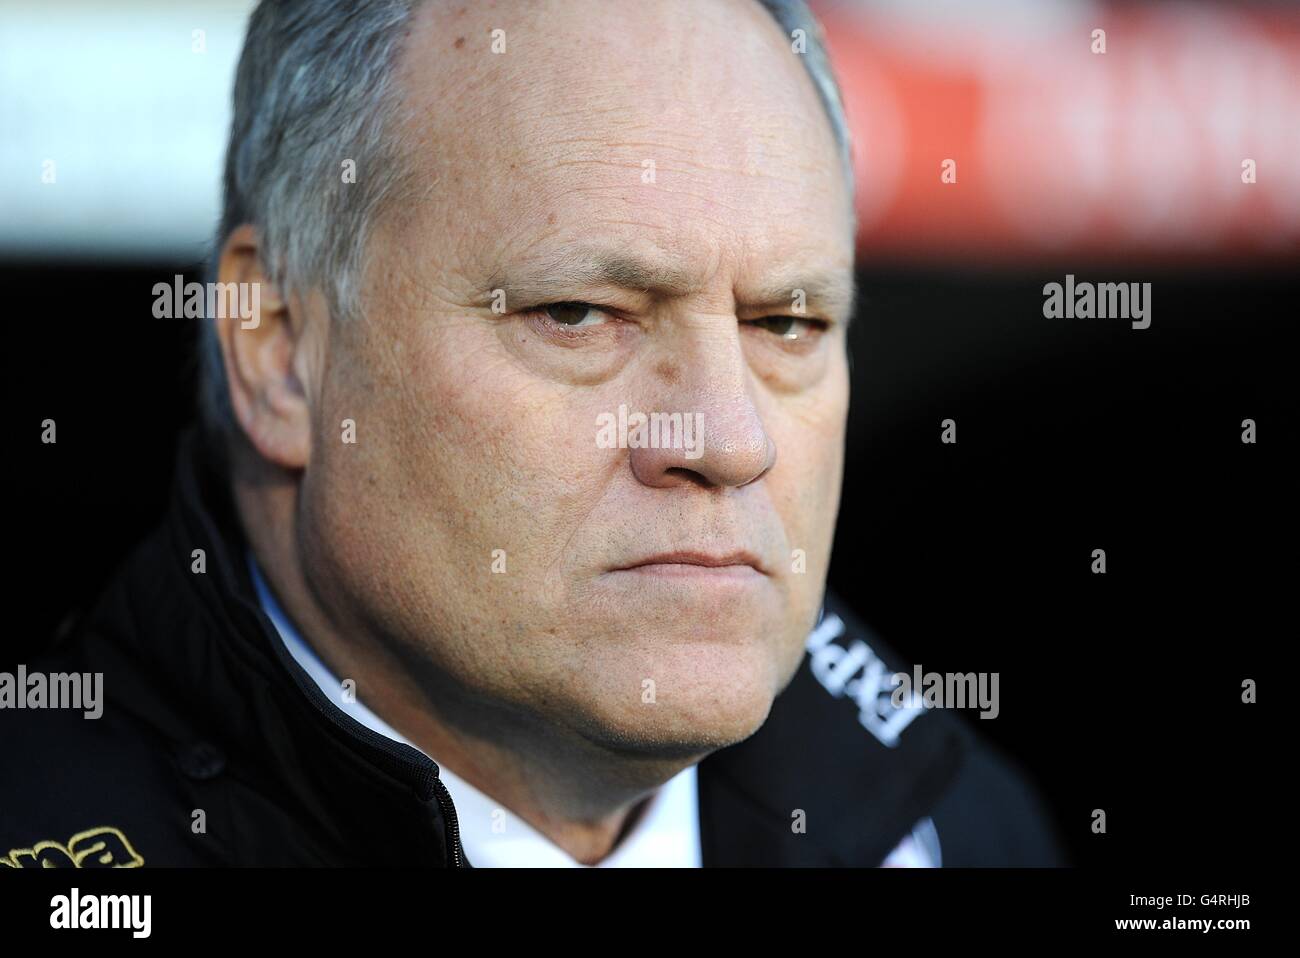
(574, 314)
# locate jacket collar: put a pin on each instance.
(823, 781)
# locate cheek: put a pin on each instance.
(810, 436)
(808, 499)
(433, 446)
(509, 459)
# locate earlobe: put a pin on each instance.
(266, 392)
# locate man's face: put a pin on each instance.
(670, 164)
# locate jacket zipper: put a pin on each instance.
(449, 812)
(421, 763)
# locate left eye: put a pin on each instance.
(574, 314)
(789, 327)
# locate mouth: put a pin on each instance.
(739, 563)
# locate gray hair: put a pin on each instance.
(314, 87)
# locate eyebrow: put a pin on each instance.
(557, 276)
(832, 292)
(559, 273)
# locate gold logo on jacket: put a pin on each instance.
(104, 847)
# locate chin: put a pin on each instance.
(706, 697)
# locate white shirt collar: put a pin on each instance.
(666, 833)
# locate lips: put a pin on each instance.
(688, 561)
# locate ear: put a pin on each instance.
(264, 356)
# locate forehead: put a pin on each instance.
(671, 126)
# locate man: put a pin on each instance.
(506, 538)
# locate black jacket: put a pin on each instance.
(207, 718)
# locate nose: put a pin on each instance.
(726, 443)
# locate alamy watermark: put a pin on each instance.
(947, 690)
(1073, 300)
(181, 300)
(656, 430)
(54, 690)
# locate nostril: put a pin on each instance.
(689, 475)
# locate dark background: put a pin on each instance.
(1119, 692)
